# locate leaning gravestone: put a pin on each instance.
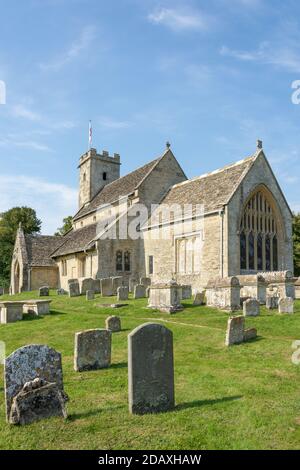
(235, 330)
(150, 369)
(251, 308)
(74, 290)
(90, 295)
(199, 298)
(272, 302)
(139, 291)
(92, 350)
(113, 323)
(122, 293)
(286, 305)
(26, 365)
(44, 291)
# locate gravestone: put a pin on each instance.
(96, 286)
(199, 298)
(27, 364)
(61, 292)
(150, 369)
(74, 290)
(87, 284)
(165, 297)
(37, 400)
(37, 307)
(122, 293)
(139, 291)
(44, 291)
(113, 323)
(250, 333)
(11, 311)
(117, 281)
(286, 305)
(90, 295)
(145, 281)
(235, 330)
(251, 308)
(106, 287)
(272, 302)
(186, 292)
(92, 350)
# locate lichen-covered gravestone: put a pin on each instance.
(25, 365)
(44, 291)
(235, 330)
(251, 308)
(74, 290)
(122, 293)
(150, 369)
(199, 298)
(113, 323)
(92, 350)
(139, 291)
(90, 295)
(286, 305)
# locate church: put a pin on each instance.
(155, 222)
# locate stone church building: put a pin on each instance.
(244, 226)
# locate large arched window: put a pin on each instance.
(259, 235)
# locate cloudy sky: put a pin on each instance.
(209, 76)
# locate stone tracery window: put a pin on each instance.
(259, 235)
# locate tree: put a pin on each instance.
(67, 225)
(9, 224)
(296, 240)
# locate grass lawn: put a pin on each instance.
(243, 397)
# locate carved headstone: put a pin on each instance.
(251, 308)
(113, 323)
(235, 330)
(139, 291)
(92, 349)
(106, 287)
(186, 292)
(74, 290)
(199, 298)
(122, 293)
(29, 363)
(44, 291)
(286, 305)
(150, 369)
(87, 284)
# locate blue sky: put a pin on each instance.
(210, 77)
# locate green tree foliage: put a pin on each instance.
(296, 239)
(67, 225)
(9, 223)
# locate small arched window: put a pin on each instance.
(119, 260)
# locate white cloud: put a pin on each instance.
(21, 111)
(179, 19)
(75, 50)
(29, 144)
(113, 124)
(269, 54)
(51, 201)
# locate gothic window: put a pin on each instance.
(259, 235)
(127, 266)
(119, 261)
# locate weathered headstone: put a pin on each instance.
(96, 286)
(92, 349)
(74, 290)
(186, 292)
(150, 369)
(122, 293)
(87, 284)
(251, 308)
(113, 323)
(139, 291)
(117, 281)
(272, 302)
(37, 400)
(90, 295)
(286, 305)
(61, 292)
(27, 364)
(44, 291)
(235, 330)
(145, 281)
(199, 298)
(106, 287)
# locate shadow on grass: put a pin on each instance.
(56, 312)
(199, 403)
(120, 365)
(31, 317)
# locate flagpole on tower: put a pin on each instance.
(90, 135)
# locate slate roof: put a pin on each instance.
(39, 249)
(76, 241)
(213, 190)
(120, 187)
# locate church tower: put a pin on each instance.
(95, 172)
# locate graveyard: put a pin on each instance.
(241, 397)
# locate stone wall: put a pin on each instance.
(44, 276)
